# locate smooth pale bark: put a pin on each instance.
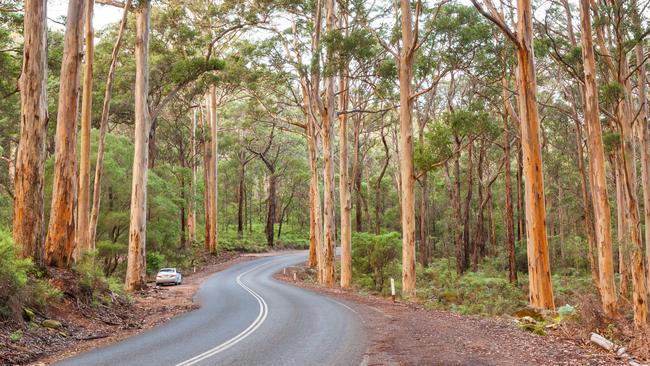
(539, 269)
(344, 186)
(29, 214)
(621, 232)
(60, 240)
(84, 244)
(328, 116)
(599, 197)
(643, 133)
(407, 176)
(136, 261)
(207, 169)
(508, 215)
(315, 223)
(191, 215)
(103, 127)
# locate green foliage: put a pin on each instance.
(375, 258)
(92, 282)
(611, 93)
(155, 261)
(486, 291)
(13, 277)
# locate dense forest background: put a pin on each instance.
(257, 64)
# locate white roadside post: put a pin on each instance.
(392, 288)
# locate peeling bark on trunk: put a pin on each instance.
(28, 219)
(84, 243)
(541, 288)
(598, 180)
(136, 264)
(344, 186)
(60, 241)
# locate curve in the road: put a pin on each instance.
(245, 333)
(246, 318)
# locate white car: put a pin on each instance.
(169, 276)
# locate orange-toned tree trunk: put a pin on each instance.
(84, 243)
(539, 269)
(328, 116)
(407, 177)
(60, 241)
(136, 264)
(191, 215)
(599, 197)
(344, 187)
(213, 170)
(28, 219)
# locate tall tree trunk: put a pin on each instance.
(191, 214)
(599, 195)
(136, 264)
(344, 181)
(212, 242)
(379, 198)
(207, 173)
(467, 208)
(270, 213)
(240, 197)
(60, 241)
(539, 269)
(103, 127)
(406, 151)
(28, 219)
(328, 115)
(315, 223)
(644, 142)
(84, 243)
(508, 215)
(458, 237)
(621, 229)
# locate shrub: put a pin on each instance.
(13, 277)
(155, 261)
(486, 291)
(92, 282)
(374, 256)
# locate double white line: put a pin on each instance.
(261, 317)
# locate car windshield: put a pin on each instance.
(167, 270)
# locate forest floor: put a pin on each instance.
(86, 326)
(405, 333)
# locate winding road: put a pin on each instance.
(246, 318)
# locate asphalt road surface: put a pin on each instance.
(246, 318)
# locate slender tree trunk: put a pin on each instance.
(103, 127)
(328, 115)
(28, 219)
(458, 237)
(508, 215)
(207, 173)
(84, 243)
(406, 152)
(379, 198)
(467, 207)
(60, 241)
(136, 264)
(240, 197)
(191, 215)
(597, 168)
(315, 223)
(212, 242)
(621, 229)
(270, 213)
(539, 269)
(344, 181)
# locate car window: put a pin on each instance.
(167, 270)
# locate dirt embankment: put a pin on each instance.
(85, 326)
(405, 333)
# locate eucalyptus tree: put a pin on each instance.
(60, 240)
(28, 216)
